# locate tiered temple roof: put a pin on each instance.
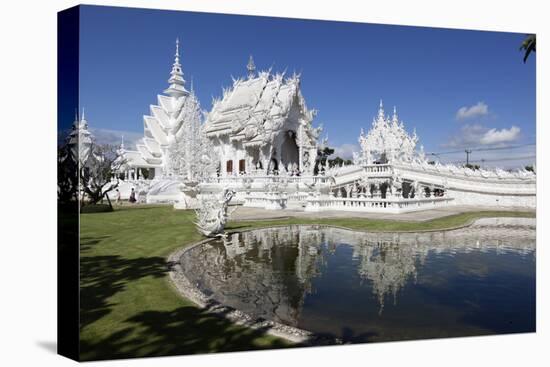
(166, 122)
(254, 109)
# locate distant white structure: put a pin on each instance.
(390, 175)
(387, 141)
(80, 139)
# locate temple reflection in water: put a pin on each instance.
(270, 273)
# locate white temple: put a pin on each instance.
(387, 141)
(262, 124)
(176, 118)
(259, 141)
(80, 139)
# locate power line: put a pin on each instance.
(482, 149)
(498, 159)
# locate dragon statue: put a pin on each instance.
(212, 214)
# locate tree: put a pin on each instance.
(96, 174)
(322, 156)
(472, 166)
(67, 175)
(530, 168)
(529, 45)
(337, 161)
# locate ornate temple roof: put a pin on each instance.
(80, 139)
(167, 119)
(257, 106)
(387, 139)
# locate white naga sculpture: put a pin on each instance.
(212, 214)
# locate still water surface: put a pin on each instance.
(376, 287)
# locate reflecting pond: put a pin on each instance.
(364, 287)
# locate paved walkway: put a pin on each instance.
(242, 213)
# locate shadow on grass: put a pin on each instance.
(103, 276)
(86, 243)
(131, 207)
(185, 330)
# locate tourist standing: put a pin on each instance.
(117, 198)
(132, 198)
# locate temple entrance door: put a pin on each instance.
(289, 150)
(229, 167)
(242, 166)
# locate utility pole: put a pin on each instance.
(468, 152)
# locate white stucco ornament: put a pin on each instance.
(212, 214)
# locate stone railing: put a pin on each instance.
(270, 201)
(392, 205)
(383, 169)
(237, 180)
(299, 196)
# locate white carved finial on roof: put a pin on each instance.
(177, 83)
(122, 142)
(81, 123)
(395, 119)
(387, 139)
(251, 67)
(381, 111)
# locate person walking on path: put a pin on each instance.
(117, 197)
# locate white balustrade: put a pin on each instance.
(270, 201)
(359, 204)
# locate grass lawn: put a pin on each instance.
(129, 308)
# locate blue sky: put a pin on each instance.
(457, 88)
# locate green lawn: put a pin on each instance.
(129, 308)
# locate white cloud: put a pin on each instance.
(477, 110)
(478, 135)
(495, 136)
(113, 137)
(345, 151)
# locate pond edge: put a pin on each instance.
(295, 335)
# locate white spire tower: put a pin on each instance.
(251, 67)
(381, 111)
(177, 83)
(83, 123)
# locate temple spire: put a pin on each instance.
(381, 111)
(177, 83)
(83, 123)
(251, 67)
(395, 118)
